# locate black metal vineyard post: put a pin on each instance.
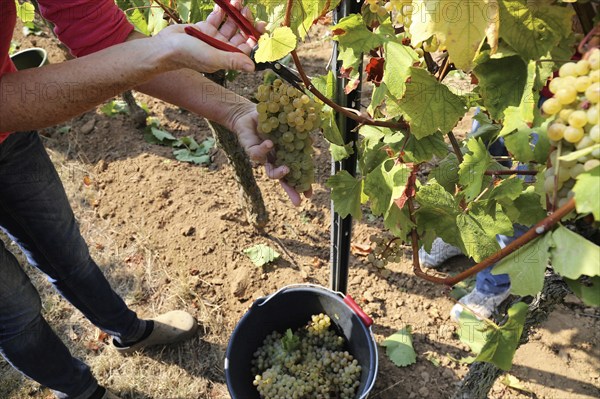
(341, 228)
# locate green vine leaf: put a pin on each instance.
(527, 266)
(261, 254)
(437, 213)
(472, 169)
(429, 105)
(587, 192)
(573, 255)
(384, 184)
(398, 60)
(501, 343)
(478, 230)
(275, 45)
(399, 348)
(587, 289)
(446, 173)
(346, 192)
(526, 209)
(424, 149)
(501, 82)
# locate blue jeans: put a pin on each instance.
(494, 284)
(35, 213)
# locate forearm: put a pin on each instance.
(42, 97)
(190, 90)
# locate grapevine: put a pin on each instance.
(308, 363)
(508, 51)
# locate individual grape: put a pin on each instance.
(578, 118)
(592, 93)
(565, 113)
(594, 59)
(552, 106)
(576, 171)
(556, 84)
(593, 115)
(595, 133)
(573, 134)
(556, 131)
(261, 108)
(585, 142)
(566, 95)
(591, 164)
(568, 69)
(582, 83)
(582, 67)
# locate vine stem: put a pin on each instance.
(169, 13)
(402, 126)
(455, 147)
(542, 227)
(288, 13)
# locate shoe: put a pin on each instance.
(169, 328)
(109, 395)
(483, 305)
(440, 252)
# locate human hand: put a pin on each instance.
(190, 52)
(259, 150)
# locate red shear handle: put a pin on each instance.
(190, 30)
(242, 22)
(367, 321)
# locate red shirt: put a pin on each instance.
(84, 26)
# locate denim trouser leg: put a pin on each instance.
(493, 284)
(35, 213)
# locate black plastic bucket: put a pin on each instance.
(292, 307)
(30, 58)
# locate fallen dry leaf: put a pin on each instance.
(360, 249)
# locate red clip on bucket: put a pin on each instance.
(292, 307)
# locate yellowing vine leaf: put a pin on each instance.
(276, 45)
(25, 11)
(459, 26)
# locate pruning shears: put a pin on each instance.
(250, 31)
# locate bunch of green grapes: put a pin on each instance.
(288, 116)
(309, 363)
(576, 111)
(385, 250)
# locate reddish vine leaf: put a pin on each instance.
(374, 70)
(346, 73)
(351, 86)
(410, 189)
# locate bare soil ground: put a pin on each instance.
(171, 235)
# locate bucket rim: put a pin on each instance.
(31, 50)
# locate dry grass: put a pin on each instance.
(190, 370)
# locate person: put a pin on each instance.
(34, 209)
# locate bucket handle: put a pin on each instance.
(367, 321)
(348, 300)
